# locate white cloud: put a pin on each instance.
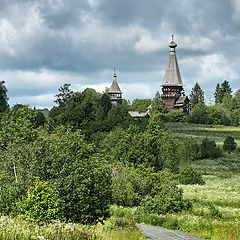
(42, 79)
(38, 101)
(146, 44)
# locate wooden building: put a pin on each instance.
(172, 87)
(114, 92)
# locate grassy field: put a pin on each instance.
(217, 203)
(112, 229)
(200, 131)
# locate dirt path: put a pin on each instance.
(158, 233)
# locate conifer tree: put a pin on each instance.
(218, 94)
(226, 89)
(3, 97)
(229, 144)
(197, 95)
(222, 91)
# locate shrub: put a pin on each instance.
(189, 175)
(189, 150)
(39, 204)
(175, 116)
(209, 149)
(169, 200)
(229, 145)
(217, 116)
(199, 114)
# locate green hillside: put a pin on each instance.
(217, 203)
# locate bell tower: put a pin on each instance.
(172, 86)
(114, 92)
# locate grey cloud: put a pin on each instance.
(86, 37)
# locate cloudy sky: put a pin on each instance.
(46, 43)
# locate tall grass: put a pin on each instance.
(112, 229)
(218, 201)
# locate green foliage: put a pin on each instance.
(188, 150)
(19, 128)
(142, 186)
(40, 203)
(229, 144)
(169, 200)
(175, 116)
(64, 95)
(214, 212)
(129, 185)
(199, 114)
(106, 104)
(158, 105)
(65, 160)
(218, 94)
(235, 117)
(140, 105)
(221, 91)
(19, 125)
(237, 98)
(3, 97)
(82, 178)
(155, 147)
(190, 175)
(90, 111)
(209, 149)
(217, 115)
(196, 95)
(113, 228)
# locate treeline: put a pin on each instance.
(225, 111)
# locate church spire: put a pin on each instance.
(172, 75)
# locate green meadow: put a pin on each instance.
(215, 210)
(217, 203)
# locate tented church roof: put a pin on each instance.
(172, 76)
(114, 87)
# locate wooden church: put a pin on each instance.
(172, 95)
(172, 86)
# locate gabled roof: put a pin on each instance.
(172, 76)
(135, 114)
(45, 112)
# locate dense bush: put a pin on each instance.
(40, 203)
(155, 192)
(199, 114)
(217, 116)
(229, 144)
(168, 200)
(209, 149)
(188, 150)
(189, 175)
(175, 116)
